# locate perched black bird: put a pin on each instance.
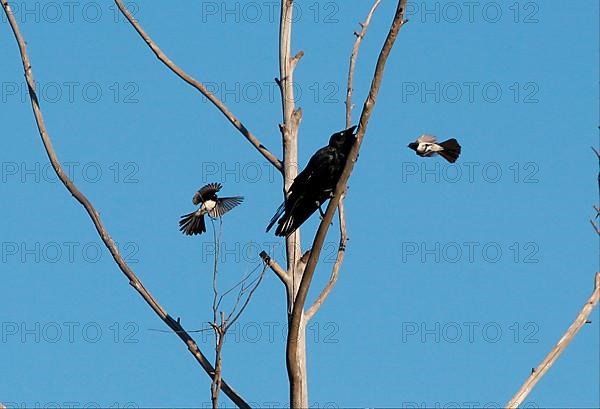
(426, 145)
(315, 184)
(193, 223)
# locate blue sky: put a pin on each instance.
(457, 280)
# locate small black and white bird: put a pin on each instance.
(426, 145)
(315, 184)
(206, 197)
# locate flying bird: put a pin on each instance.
(426, 145)
(206, 197)
(315, 184)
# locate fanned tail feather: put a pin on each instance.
(192, 224)
(451, 150)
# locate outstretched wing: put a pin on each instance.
(426, 138)
(206, 192)
(224, 205)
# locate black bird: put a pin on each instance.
(315, 184)
(426, 145)
(193, 223)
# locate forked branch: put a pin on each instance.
(100, 228)
(200, 87)
(220, 326)
(298, 310)
(341, 214)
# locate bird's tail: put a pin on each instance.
(192, 223)
(295, 216)
(287, 225)
(451, 150)
(288, 222)
(277, 215)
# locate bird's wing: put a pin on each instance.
(205, 192)
(426, 138)
(316, 167)
(224, 205)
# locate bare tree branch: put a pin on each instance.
(336, 266)
(104, 235)
(277, 269)
(200, 87)
(298, 310)
(562, 344)
(289, 132)
(341, 215)
(221, 327)
(217, 379)
(595, 226)
(217, 244)
(289, 129)
(353, 57)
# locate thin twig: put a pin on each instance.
(241, 282)
(200, 87)
(595, 226)
(336, 266)
(220, 329)
(237, 316)
(100, 228)
(217, 243)
(562, 344)
(169, 331)
(353, 57)
(298, 310)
